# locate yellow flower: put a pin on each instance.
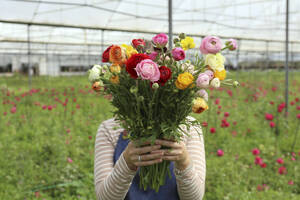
(215, 61)
(199, 105)
(187, 43)
(184, 80)
(115, 79)
(129, 50)
(115, 68)
(220, 74)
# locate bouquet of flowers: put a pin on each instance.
(154, 89)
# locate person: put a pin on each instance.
(117, 161)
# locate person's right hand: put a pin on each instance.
(147, 157)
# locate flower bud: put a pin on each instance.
(133, 89)
(236, 84)
(215, 83)
(176, 40)
(155, 86)
(140, 98)
(182, 36)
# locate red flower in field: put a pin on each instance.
(280, 161)
(274, 89)
(212, 130)
(44, 107)
(37, 194)
(272, 124)
(105, 55)
(138, 42)
(220, 152)
(282, 170)
(68, 130)
(297, 99)
(217, 101)
(271, 102)
(269, 116)
(226, 114)
(219, 107)
(298, 116)
(298, 107)
(13, 110)
(5, 113)
(259, 188)
(50, 107)
(204, 124)
(74, 100)
(258, 160)
(255, 151)
(292, 103)
(229, 92)
(293, 158)
(263, 165)
(133, 61)
(234, 123)
(69, 160)
(291, 182)
(77, 106)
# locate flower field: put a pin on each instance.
(47, 138)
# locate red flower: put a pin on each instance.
(291, 182)
(297, 99)
(138, 42)
(133, 61)
(271, 102)
(280, 161)
(165, 75)
(220, 152)
(282, 170)
(217, 101)
(298, 107)
(258, 160)
(226, 114)
(255, 151)
(212, 130)
(105, 55)
(263, 165)
(269, 116)
(204, 124)
(298, 116)
(272, 124)
(292, 103)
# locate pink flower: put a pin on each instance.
(269, 116)
(298, 107)
(210, 44)
(212, 130)
(226, 114)
(282, 170)
(298, 116)
(231, 44)
(291, 182)
(280, 161)
(255, 151)
(263, 165)
(13, 109)
(69, 160)
(50, 107)
(5, 113)
(153, 55)
(148, 70)
(204, 124)
(293, 158)
(160, 39)
(178, 54)
(68, 130)
(220, 152)
(217, 101)
(259, 188)
(202, 93)
(272, 124)
(202, 80)
(210, 74)
(258, 160)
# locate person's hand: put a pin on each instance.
(142, 156)
(177, 152)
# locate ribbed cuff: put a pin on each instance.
(125, 169)
(186, 174)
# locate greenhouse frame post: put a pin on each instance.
(102, 41)
(170, 6)
(287, 59)
(29, 55)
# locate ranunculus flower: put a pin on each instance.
(269, 116)
(160, 39)
(69, 160)
(165, 75)
(94, 73)
(13, 109)
(210, 44)
(263, 165)
(115, 68)
(129, 50)
(105, 55)
(202, 93)
(226, 114)
(255, 151)
(221, 75)
(210, 74)
(280, 161)
(178, 53)
(215, 83)
(220, 152)
(202, 80)
(117, 55)
(187, 43)
(231, 44)
(272, 124)
(132, 63)
(258, 160)
(291, 182)
(215, 61)
(212, 130)
(97, 86)
(114, 79)
(188, 67)
(184, 80)
(282, 170)
(138, 42)
(148, 70)
(153, 55)
(298, 116)
(199, 105)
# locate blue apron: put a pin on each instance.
(167, 191)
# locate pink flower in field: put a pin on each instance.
(298, 116)
(272, 124)
(210, 44)
(226, 114)
(293, 154)
(274, 89)
(263, 165)
(74, 100)
(50, 107)
(220, 152)
(160, 39)
(69, 160)
(291, 182)
(212, 130)
(293, 158)
(269, 116)
(298, 107)
(255, 151)
(37, 194)
(68, 130)
(77, 106)
(44, 107)
(148, 70)
(219, 107)
(280, 161)
(282, 170)
(259, 188)
(217, 101)
(258, 160)
(229, 92)
(204, 124)
(297, 99)
(292, 103)
(5, 113)
(13, 110)
(272, 102)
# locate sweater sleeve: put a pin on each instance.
(191, 181)
(111, 182)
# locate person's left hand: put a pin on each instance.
(177, 152)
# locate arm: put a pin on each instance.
(111, 182)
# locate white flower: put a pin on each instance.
(215, 83)
(215, 61)
(94, 73)
(188, 67)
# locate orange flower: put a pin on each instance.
(117, 55)
(220, 74)
(96, 86)
(115, 68)
(115, 79)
